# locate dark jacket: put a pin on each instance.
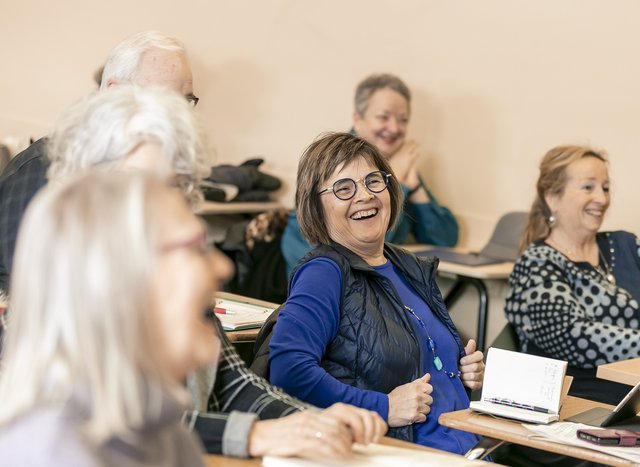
(376, 347)
(21, 179)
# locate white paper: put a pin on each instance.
(241, 315)
(565, 433)
(379, 455)
(242, 307)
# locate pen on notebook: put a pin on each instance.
(223, 311)
(511, 403)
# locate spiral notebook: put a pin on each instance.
(521, 386)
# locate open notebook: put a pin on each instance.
(236, 315)
(521, 386)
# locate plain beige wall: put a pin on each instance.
(496, 82)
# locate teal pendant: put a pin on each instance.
(438, 363)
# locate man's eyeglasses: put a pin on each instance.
(345, 188)
(192, 99)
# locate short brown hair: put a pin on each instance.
(372, 83)
(552, 180)
(317, 164)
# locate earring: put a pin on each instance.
(551, 220)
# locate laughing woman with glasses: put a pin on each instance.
(365, 322)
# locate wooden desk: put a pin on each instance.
(474, 276)
(211, 460)
(245, 335)
(213, 207)
(222, 461)
(625, 372)
(514, 432)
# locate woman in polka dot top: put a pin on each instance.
(575, 291)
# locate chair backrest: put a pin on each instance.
(260, 363)
(5, 157)
(507, 339)
(505, 239)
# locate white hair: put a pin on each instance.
(124, 59)
(105, 127)
(80, 314)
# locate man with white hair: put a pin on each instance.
(148, 58)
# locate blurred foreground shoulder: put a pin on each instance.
(43, 438)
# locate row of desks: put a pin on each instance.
(514, 432)
(626, 372)
(221, 461)
(506, 430)
(502, 429)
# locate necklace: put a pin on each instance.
(437, 361)
(607, 273)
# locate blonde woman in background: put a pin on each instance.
(575, 290)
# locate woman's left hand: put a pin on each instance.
(403, 163)
(472, 366)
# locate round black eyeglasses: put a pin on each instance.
(346, 188)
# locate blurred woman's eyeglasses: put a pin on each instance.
(192, 99)
(203, 243)
(183, 182)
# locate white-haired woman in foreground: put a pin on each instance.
(97, 349)
(113, 273)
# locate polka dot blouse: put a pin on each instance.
(574, 311)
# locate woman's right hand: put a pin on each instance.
(316, 435)
(411, 402)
